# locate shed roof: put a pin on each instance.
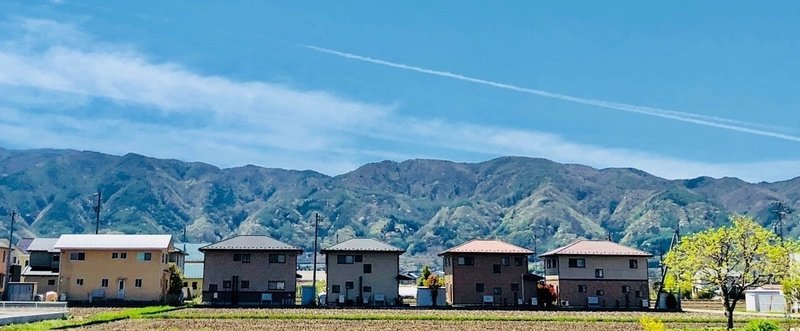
(596, 247)
(193, 270)
(362, 245)
(488, 247)
(43, 245)
(23, 244)
(113, 241)
(251, 243)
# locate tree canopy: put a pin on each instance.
(731, 258)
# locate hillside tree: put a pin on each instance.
(732, 259)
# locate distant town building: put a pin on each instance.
(593, 273)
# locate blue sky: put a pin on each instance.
(678, 89)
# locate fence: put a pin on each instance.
(33, 306)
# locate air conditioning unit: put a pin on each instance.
(564, 303)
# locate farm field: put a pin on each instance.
(408, 319)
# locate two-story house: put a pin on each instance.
(250, 270)
(487, 272)
(592, 273)
(114, 267)
(44, 261)
(362, 271)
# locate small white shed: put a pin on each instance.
(766, 299)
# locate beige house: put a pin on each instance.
(589, 273)
(114, 267)
(362, 272)
(43, 266)
(250, 270)
(490, 272)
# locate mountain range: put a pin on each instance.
(424, 206)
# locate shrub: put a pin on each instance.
(652, 324)
(761, 325)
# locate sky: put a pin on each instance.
(679, 89)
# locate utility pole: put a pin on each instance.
(7, 277)
(317, 218)
(184, 238)
(97, 211)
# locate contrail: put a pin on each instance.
(711, 121)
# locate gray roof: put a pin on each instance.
(193, 270)
(43, 245)
(193, 253)
(30, 272)
(23, 244)
(251, 243)
(364, 245)
(114, 241)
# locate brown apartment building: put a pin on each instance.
(362, 272)
(114, 267)
(590, 273)
(250, 270)
(487, 272)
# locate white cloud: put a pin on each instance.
(254, 122)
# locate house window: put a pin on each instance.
(581, 288)
(519, 261)
(119, 255)
(637, 294)
(549, 263)
(114, 256)
(194, 285)
(598, 273)
(245, 258)
(212, 287)
(497, 291)
(137, 282)
(185, 284)
(276, 285)
(226, 284)
(79, 281)
(77, 256)
(344, 259)
(359, 258)
(335, 289)
(349, 285)
(577, 263)
(479, 287)
(505, 261)
(51, 282)
(626, 289)
(104, 282)
(447, 261)
(245, 284)
(466, 260)
(277, 258)
(367, 289)
(515, 287)
(496, 268)
(367, 268)
(633, 263)
(600, 293)
(144, 256)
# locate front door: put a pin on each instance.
(121, 289)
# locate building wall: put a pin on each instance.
(611, 297)
(219, 267)
(382, 279)
(42, 282)
(99, 265)
(614, 267)
(461, 281)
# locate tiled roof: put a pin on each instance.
(596, 247)
(43, 245)
(258, 243)
(113, 241)
(487, 246)
(363, 245)
(193, 251)
(23, 244)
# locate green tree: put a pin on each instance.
(791, 283)
(434, 283)
(175, 285)
(426, 272)
(732, 259)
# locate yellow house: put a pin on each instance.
(114, 267)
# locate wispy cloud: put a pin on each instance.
(65, 90)
(717, 122)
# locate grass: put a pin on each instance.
(102, 317)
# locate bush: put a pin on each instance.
(652, 324)
(761, 325)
